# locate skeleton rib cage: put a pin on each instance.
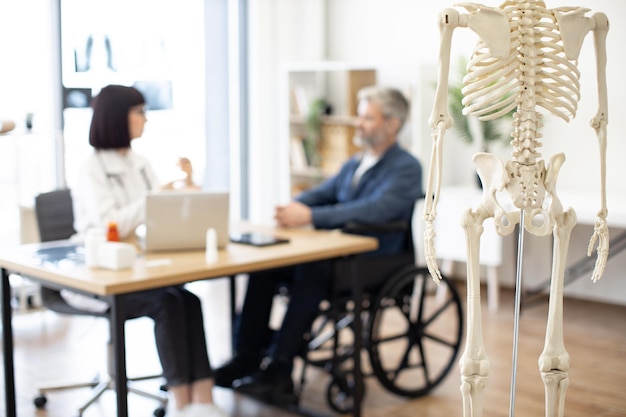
(536, 73)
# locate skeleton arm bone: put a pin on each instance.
(601, 229)
(599, 123)
(430, 205)
(449, 20)
(440, 120)
(600, 32)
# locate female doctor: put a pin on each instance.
(111, 188)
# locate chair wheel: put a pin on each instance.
(159, 412)
(340, 392)
(40, 402)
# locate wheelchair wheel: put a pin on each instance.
(340, 392)
(414, 332)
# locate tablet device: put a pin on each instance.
(257, 239)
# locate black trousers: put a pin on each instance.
(309, 284)
(178, 330)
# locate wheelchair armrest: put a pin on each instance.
(360, 228)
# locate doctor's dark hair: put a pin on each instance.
(109, 123)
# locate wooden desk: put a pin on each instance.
(162, 270)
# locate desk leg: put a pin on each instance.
(7, 345)
(119, 353)
(358, 334)
(233, 310)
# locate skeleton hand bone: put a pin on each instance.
(429, 251)
(600, 235)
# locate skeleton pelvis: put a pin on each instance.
(531, 188)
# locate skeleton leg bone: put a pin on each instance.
(474, 363)
(554, 360)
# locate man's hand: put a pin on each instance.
(294, 214)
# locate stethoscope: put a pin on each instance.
(118, 179)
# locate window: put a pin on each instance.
(157, 46)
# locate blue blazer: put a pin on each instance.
(387, 192)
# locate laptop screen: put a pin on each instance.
(179, 220)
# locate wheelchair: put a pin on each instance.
(411, 328)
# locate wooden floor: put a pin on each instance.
(49, 346)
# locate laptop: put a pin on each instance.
(179, 220)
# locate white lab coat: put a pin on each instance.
(112, 187)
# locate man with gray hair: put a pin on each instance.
(379, 185)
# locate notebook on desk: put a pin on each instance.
(178, 220)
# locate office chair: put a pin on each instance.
(55, 221)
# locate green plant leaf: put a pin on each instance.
(461, 123)
(314, 118)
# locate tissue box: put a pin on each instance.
(116, 255)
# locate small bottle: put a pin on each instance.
(94, 237)
(112, 233)
(211, 245)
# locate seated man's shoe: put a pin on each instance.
(238, 367)
(269, 385)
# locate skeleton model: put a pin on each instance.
(526, 58)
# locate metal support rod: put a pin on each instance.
(518, 302)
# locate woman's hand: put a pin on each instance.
(185, 165)
(6, 125)
(186, 183)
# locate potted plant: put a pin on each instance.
(317, 109)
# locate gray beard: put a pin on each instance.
(366, 141)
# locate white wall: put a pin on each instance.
(280, 32)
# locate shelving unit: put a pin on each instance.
(337, 84)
